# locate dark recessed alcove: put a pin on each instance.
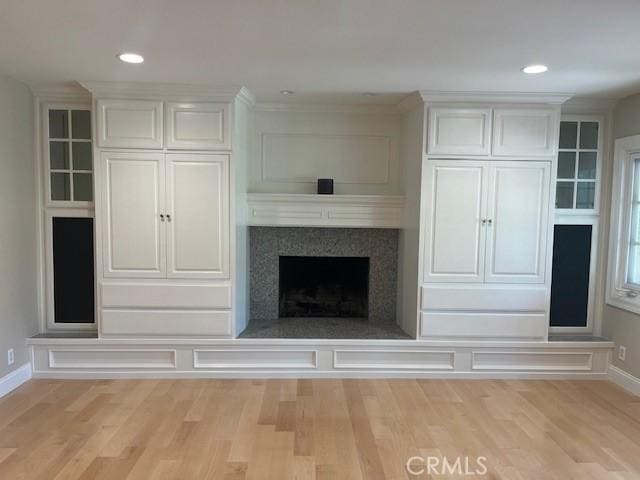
(323, 287)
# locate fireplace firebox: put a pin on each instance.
(323, 287)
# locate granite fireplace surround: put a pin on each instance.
(267, 244)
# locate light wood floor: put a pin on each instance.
(324, 429)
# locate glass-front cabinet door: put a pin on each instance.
(578, 174)
(68, 157)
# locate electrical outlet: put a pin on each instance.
(622, 353)
(10, 357)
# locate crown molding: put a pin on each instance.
(178, 91)
(61, 92)
(589, 105)
(409, 102)
(494, 97)
(245, 96)
(326, 108)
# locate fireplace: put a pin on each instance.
(323, 287)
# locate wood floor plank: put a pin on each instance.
(317, 429)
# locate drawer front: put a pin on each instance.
(459, 131)
(483, 298)
(463, 325)
(154, 323)
(130, 123)
(525, 132)
(129, 295)
(198, 126)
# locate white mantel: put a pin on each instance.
(306, 210)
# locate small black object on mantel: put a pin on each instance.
(325, 186)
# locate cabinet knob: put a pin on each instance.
(168, 217)
(489, 221)
(161, 217)
(484, 221)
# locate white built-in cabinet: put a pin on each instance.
(165, 215)
(486, 221)
(498, 132)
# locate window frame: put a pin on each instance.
(49, 203)
(599, 119)
(621, 293)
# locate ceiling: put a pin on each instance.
(320, 48)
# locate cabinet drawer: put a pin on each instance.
(129, 123)
(463, 325)
(155, 323)
(198, 126)
(130, 295)
(459, 131)
(525, 132)
(483, 298)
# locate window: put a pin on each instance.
(69, 161)
(578, 164)
(623, 282)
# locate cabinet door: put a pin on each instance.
(459, 131)
(198, 126)
(134, 235)
(525, 132)
(518, 211)
(454, 235)
(129, 123)
(198, 209)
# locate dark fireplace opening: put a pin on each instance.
(324, 287)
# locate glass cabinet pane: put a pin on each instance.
(82, 188)
(568, 134)
(589, 135)
(81, 156)
(58, 124)
(587, 165)
(81, 124)
(564, 195)
(585, 194)
(59, 155)
(566, 165)
(60, 186)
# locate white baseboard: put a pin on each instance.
(13, 380)
(624, 380)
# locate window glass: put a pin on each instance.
(58, 124)
(567, 165)
(587, 165)
(633, 266)
(589, 135)
(568, 134)
(564, 195)
(60, 186)
(81, 156)
(81, 124)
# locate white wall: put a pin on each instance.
(619, 325)
(18, 298)
(294, 145)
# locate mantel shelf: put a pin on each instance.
(310, 210)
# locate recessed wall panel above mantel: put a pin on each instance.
(291, 149)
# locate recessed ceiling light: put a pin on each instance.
(129, 57)
(537, 68)
(287, 92)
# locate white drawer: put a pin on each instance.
(129, 295)
(483, 298)
(462, 325)
(153, 323)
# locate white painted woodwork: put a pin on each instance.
(466, 325)
(526, 132)
(298, 358)
(532, 361)
(163, 295)
(483, 297)
(198, 125)
(254, 359)
(129, 123)
(459, 131)
(303, 158)
(83, 358)
(133, 199)
(172, 323)
(393, 359)
(519, 212)
(198, 216)
(454, 208)
(296, 210)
